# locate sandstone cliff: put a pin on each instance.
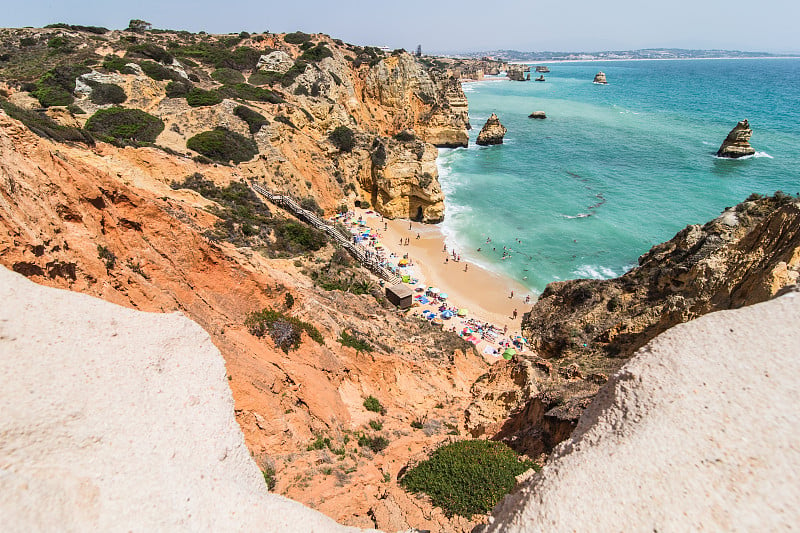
(696, 432)
(737, 143)
(105, 222)
(583, 330)
(492, 132)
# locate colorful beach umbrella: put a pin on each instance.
(402, 262)
(443, 296)
(447, 314)
(433, 290)
(509, 353)
(462, 312)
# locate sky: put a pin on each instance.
(457, 26)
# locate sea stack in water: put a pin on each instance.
(538, 114)
(737, 144)
(492, 132)
(600, 77)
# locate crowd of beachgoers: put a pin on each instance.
(369, 230)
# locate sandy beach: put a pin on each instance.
(487, 295)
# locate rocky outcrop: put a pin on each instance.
(583, 330)
(403, 180)
(737, 143)
(446, 125)
(696, 432)
(538, 114)
(518, 72)
(277, 61)
(118, 419)
(492, 132)
(600, 78)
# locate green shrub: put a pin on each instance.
(297, 37)
(371, 403)
(98, 30)
(264, 77)
(376, 444)
(159, 72)
(245, 91)
(107, 257)
(118, 123)
(75, 109)
(269, 478)
(44, 126)
(296, 237)
(285, 330)
(254, 119)
(114, 63)
(59, 44)
(53, 96)
(218, 55)
(467, 477)
(376, 425)
(178, 89)
(354, 341)
(285, 120)
(27, 41)
(150, 51)
(197, 97)
(288, 300)
(227, 76)
(343, 138)
(405, 136)
(223, 145)
(107, 93)
(316, 53)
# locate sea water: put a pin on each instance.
(614, 169)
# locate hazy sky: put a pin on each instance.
(465, 25)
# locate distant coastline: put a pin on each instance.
(649, 59)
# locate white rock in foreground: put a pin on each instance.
(116, 420)
(700, 431)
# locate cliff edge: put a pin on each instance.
(697, 432)
(115, 419)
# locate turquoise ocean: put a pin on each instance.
(617, 168)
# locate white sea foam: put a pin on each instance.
(763, 154)
(594, 272)
(579, 215)
(744, 157)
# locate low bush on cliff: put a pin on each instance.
(219, 56)
(245, 91)
(55, 87)
(150, 51)
(113, 63)
(467, 477)
(227, 76)
(159, 72)
(178, 89)
(316, 53)
(119, 125)
(264, 77)
(254, 119)
(223, 145)
(197, 97)
(354, 340)
(46, 127)
(343, 138)
(297, 238)
(371, 403)
(286, 331)
(297, 37)
(107, 93)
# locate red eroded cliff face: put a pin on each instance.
(104, 221)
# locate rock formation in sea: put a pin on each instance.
(518, 72)
(538, 114)
(492, 132)
(600, 77)
(737, 143)
(582, 331)
(696, 432)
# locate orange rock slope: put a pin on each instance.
(64, 210)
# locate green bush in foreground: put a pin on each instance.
(466, 477)
(118, 123)
(244, 91)
(107, 93)
(223, 145)
(343, 138)
(354, 341)
(178, 89)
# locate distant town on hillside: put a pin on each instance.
(646, 53)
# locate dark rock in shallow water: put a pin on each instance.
(600, 78)
(537, 114)
(492, 132)
(737, 143)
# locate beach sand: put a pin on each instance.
(485, 294)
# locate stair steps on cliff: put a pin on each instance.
(290, 204)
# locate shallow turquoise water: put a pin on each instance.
(614, 169)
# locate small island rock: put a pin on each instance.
(492, 132)
(737, 144)
(600, 77)
(538, 114)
